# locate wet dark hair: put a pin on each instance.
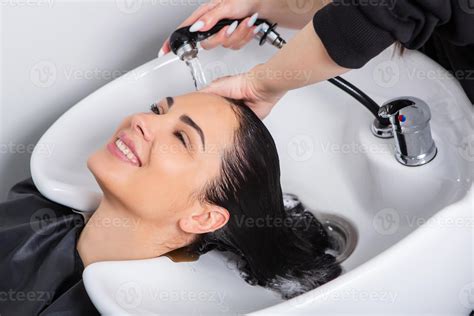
(284, 250)
(399, 48)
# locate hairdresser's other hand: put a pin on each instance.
(233, 36)
(249, 88)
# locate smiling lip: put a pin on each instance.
(112, 147)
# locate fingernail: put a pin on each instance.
(196, 26)
(252, 20)
(232, 28)
(257, 29)
(161, 53)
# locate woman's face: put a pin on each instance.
(155, 165)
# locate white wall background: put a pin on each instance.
(53, 53)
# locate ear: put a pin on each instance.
(208, 219)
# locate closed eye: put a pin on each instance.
(181, 137)
(156, 108)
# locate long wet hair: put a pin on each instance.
(278, 248)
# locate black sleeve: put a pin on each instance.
(355, 31)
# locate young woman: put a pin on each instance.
(198, 172)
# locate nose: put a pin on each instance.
(139, 125)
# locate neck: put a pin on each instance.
(113, 234)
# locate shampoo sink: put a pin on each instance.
(415, 235)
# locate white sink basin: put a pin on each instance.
(415, 225)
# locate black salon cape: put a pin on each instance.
(40, 269)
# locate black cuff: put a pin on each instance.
(349, 37)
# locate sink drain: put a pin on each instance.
(342, 235)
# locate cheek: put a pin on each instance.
(159, 191)
(103, 166)
(162, 189)
(117, 180)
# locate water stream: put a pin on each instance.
(197, 73)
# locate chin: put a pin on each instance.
(111, 174)
(106, 170)
(97, 163)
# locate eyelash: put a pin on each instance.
(155, 109)
(178, 134)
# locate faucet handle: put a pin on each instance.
(406, 114)
(410, 120)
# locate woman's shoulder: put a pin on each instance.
(38, 248)
(31, 220)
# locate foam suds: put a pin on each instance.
(287, 288)
(297, 282)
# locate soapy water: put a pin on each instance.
(197, 73)
(343, 239)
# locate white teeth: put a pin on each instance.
(126, 151)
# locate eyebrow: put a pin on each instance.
(189, 121)
(170, 101)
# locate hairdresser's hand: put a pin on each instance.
(233, 36)
(249, 88)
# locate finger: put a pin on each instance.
(240, 34)
(236, 34)
(228, 86)
(231, 36)
(215, 40)
(215, 86)
(165, 49)
(220, 11)
(206, 18)
(245, 40)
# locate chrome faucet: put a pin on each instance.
(410, 123)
